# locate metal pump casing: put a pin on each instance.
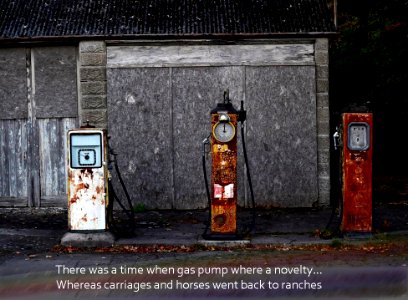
(87, 179)
(357, 172)
(224, 121)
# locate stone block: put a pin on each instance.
(323, 156)
(91, 102)
(92, 74)
(322, 71)
(322, 45)
(322, 100)
(322, 58)
(322, 85)
(324, 183)
(323, 170)
(93, 59)
(323, 114)
(96, 117)
(323, 141)
(92, 47)
(93, 88)
(323, 127)
(324, 198)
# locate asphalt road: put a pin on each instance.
(240, 273)
(285, 260)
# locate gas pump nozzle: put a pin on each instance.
(336, 139)
(205, 142)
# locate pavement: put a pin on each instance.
(46, 226)
(34, 265)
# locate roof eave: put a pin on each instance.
(214, 36)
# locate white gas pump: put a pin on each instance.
(87, 180)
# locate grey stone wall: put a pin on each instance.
(92, 83)
(323, 118)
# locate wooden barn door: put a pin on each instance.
(13, 127)
(54, 94)
(38, 105)
(159, 103)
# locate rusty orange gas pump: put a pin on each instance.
(356, 137)
(87, 180)
(223, 147)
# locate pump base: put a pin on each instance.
(87, 240)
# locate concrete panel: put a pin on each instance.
(13, 83)
(55, 82)
(140, 129)
(196, 91)
(281, 134)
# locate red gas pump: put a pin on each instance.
(223, 196)
(357, 172)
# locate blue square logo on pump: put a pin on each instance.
(86, 150)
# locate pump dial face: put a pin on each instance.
(358, 136)
(224, 132)
(86, 157)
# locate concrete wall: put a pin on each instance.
(281, 134)
(13, 83)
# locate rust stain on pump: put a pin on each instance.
(224, 180)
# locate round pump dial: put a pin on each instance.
(224, 131)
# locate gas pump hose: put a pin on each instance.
(251, 190)
(207, 226)
(129, 212)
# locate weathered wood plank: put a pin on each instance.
(61, 137)
(3, 151)
(21, 153)
(33, 164)
(210, 55)
(45, 157)
(12, 131)
(52, 133)
(13, 146)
